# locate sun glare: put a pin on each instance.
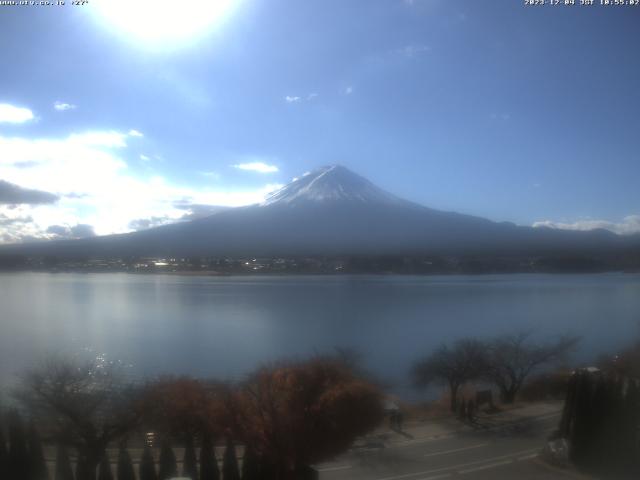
(164, 21)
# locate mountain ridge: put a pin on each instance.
(333, 211)
(331, 183)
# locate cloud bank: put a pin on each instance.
(67, 232)
(628, 225)
(13, 195)
(96, 189)
(13, 114)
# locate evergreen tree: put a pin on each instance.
(104, 469)
(230, 469)
(168, 464)
(616, 419)
(568, 410)
(125, 465)
(632, 433)
(208, 461)
(580, 435)
(83, 467)
(268, 471)
(3, 455)
(37, 464)
(600, 407)
(190, 462)
(18, 460)
(147, 465)
(250, 465)
(63, 464)
(601, 419)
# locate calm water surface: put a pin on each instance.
(225, 326)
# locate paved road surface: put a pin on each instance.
(506, 453)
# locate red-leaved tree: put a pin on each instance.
(297, 414)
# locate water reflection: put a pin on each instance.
(225, 326)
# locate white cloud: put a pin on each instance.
(628, 225)
(96, 138)
(413, 50)
(135, 133)
(95, 185)
(63, 106)
(13, 114)
(144, 158)
(212, 175)
(298, 99)
(259, 167)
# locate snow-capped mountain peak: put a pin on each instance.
(331, 184)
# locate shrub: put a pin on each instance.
(297, 414)
(230, 463)
(63, 464)
(104, 469)
(125, 465)
(147, 465)
(168, 464)
(208, 462)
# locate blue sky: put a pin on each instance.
(133, 116)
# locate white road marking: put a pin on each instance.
(415, 474)
(510, 456)
(333, 469)
(528, 457)
(445, 452)
(485, 467)
(434, 438)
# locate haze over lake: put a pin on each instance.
(225, 326)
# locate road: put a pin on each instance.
(506, 453)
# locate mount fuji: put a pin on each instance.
(332, 184)
(333, 211)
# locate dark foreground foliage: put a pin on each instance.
(601, 421)
(285, 417)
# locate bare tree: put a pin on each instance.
(512, 358)
(465, 360)
(84, 405)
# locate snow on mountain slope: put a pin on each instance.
(332, 184)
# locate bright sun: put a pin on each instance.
(162, 21)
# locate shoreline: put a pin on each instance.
(213, 273)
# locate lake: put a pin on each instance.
(226, 326)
